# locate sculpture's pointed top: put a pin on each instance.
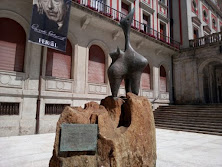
(127, 21)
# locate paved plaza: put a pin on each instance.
(174, 149)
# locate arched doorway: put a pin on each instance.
(211, 79)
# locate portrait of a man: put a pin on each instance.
(49, 24)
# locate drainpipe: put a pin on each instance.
(172, 82)
(171, 18)
(39, 94)
(180, 20)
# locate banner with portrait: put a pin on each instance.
(50, 21)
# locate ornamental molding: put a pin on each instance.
(196, 20)
(207, 29)
(163, 18)
(146, 7)
(163, 5)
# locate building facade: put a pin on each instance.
(36, 82)
(194, 19)
(198, 68)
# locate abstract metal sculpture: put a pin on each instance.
(128, 64)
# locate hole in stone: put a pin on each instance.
(125, 116)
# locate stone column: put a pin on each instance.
(156, 73)
(171, 85)
(80, 71)
(201, 90)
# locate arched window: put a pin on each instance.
(12, 45)
(163, 79)
(96, 67)
(59, 63)
(146, 78)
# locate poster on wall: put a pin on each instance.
(49, 25)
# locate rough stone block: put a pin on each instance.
(126, 134)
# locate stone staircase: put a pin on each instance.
(192, 118)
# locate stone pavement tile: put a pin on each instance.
(174, 149)
(218, 141)
(28, 160)
(188, 150)
(26, 151)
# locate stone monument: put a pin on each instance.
(116, 133)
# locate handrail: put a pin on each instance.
(212, 38)
(116, 15)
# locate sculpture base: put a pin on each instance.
(126, 134)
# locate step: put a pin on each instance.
(190, 125)
(188, 118)
(192, 114)
(188, 110)
(192, 108)
(204, 121)
(190, 130)
(198, 122)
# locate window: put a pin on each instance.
(96, 67)
(194, 5)
(146, 78)
(214, 24)
(162, 1)
(163, 81)
(12, 45)
(9, 108)
(162, 31)
(195, 33)
(205, 15)
(54, 109)
(146, 23)
(59, 63)
(125, 8)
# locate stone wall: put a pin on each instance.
(189, 74)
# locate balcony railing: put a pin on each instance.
(116, 15)
(213, 38)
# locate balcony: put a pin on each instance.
(116, 15)
(206, 40)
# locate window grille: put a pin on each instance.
(9, 108)
(54, 109)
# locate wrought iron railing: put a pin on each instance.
(54, 109)
(116, 15)
(9, 108)
(213, 38)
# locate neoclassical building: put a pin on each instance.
(36, 82)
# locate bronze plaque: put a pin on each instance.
(78, 137)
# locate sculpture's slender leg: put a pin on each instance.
(135, 82)
(127, 85)
(115, 84)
